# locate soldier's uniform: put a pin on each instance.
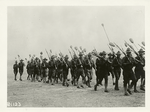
(21, 66)
(128, 63)
(139, 70)
(98, 65)
(37, 69)
(15, 68)
(52, 69)
(44, 67)
(32, 67)
(59, 73)
(28, 67)
(89, 64)
(80, 70)
(117, 64)
(66, 67)
(103, 72)
(110, 67)
(73, 70)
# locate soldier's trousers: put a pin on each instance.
(127, 76)
(59, 74)
(117, 73)
(102, 75)
(80, 72)
(15, 72)
(36, 74)
(21, 72)
(88, 73)
(29, 74)
(65, 75)
(73, 76)
(52, 73)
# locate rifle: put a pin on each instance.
(123, 52)
(70, 54)
(47, 54)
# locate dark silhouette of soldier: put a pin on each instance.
(21, 68)
(128, 63)
(103, 72)
(117, 64)
(15, 68)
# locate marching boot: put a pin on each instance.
(106, 85)
(135, 90)
(20, 78)
(125, 91)
(15, 78)
(95, 87)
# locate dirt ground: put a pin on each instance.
(38, 94)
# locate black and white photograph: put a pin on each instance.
(76, 56)
(70, 55)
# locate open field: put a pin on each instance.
(38, 94)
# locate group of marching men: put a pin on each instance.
(57, 68)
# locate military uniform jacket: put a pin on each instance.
(109, 64)
(44, 65)
(15, 67)
(103, 65)
(117, 63)
(98, 64)
(60, 64)
(89, 64)
(73, 64)
(128, 63)
(139, 66)
(66, 65)
(21, 65)
(80, 63)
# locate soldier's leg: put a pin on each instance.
(106, 82)
(117, 72)
(77, 77)
(53, 76)
(21, 72)
(15, 73)
(142, 86)
(113, 76)
(125, 81)
(100, 78)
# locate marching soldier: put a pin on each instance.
(98, 65)
(59, 73)
(28, 67)
(52, 69)
(44, 67)
(80, 70)
(21, 65)
(66, 67)
(15, 67)
(103, 72)
(37, 69)
(73, 70)
(89, 64)
(110, 67)
(32, 66)
(117, 64)
(139, 71)
(128, 63)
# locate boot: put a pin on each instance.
(106, 88)
(125, 91)
(95, 88)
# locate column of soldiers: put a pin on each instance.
(57, 68)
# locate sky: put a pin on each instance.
(32, 29)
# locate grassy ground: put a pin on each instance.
(38, 94)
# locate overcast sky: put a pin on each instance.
(32, 29)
